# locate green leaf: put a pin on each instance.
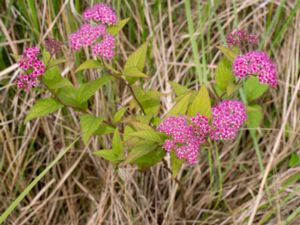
(118, 116)
(229, 53)
(117, 145)
(107, 154)
(178, 89)
(104, 129)
(232, 88)
(181, 106)
(43, 107)
(150, 159)
(133, 72)
(137, 58)
(89, 64)
(224, 75)
(87, 90)
(255, 116)
(115, 154)
(68, 96)
(148, 135)
(115, 29)
(254, 89)
(140, 150)
(55, 62)
(145, 132)
(46, 57)
(201, 104)
(89, 124)
(150, 100)
(176, 163)
(54, 81)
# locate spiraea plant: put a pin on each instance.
(142, 134)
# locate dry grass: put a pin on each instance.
(83, 189)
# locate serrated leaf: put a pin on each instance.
(68, 96)
(43, 107)
(255, 116)
(178, 89)
(201, 104)
(181, 106)
(224, 75)
(231, 89)
(117, 145)
(133, 72)
(89, 64)
(87, 90)
(145, 132)
(115, 29)
(150, 100)
(107, 154)
(46, 57)
(148, 135)
(89, 124)
(137, 58)
(104, 129)
(56, 62)
(176, 163)
(294, 160)
(229, 53)
(53, 79)
(140, 150)
(254, 89)
(151, 158)
(119, 114)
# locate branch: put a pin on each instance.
(183, 214)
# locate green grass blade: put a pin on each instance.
(191, 30)
(17, 201)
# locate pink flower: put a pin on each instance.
(29, 61)
(201, 126)
(185, 136)
(256, 63)
(26, 82)
(105, 48)
(101, 12)
(227, 118)
(86, 35)
(28, 57)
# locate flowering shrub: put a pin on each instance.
(142, 133)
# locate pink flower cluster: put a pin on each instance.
(101, 12)
(105, 47)
(186, 135)
(237, 38)
(256, 63)
(228, 116)
(88, 34)
(32, 66)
